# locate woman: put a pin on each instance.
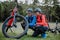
(41, 24)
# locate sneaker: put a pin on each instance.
(44, 35)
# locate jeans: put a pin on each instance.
(39, 30)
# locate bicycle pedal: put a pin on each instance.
(15, 26)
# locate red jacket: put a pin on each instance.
(41, 20)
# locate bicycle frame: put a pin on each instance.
(14, 12)
(13, 20)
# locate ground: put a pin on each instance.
(50, 36)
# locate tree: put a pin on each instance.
(26, 2)
(35, 1)
(15, 0)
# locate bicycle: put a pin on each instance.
(10, 27)
(55, 30)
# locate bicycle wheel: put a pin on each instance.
(15, 32)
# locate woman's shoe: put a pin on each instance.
(44, 35)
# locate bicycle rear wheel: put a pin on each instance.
(15, 31)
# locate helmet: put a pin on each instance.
(37, 10)
(30, 10)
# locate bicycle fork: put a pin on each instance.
(12, 21)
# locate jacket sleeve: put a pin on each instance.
(33, 21)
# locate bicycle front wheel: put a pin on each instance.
(15, 31)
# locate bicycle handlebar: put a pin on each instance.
(16, 1)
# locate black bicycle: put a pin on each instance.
(12, 27)
(56, 29)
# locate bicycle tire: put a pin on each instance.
(22, 34)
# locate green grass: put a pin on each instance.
(50, 36)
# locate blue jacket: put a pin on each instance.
(31, 20)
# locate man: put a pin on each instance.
(30, 18)
(41, 24)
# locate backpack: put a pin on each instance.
(45, 18)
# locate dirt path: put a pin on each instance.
(52, 25)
